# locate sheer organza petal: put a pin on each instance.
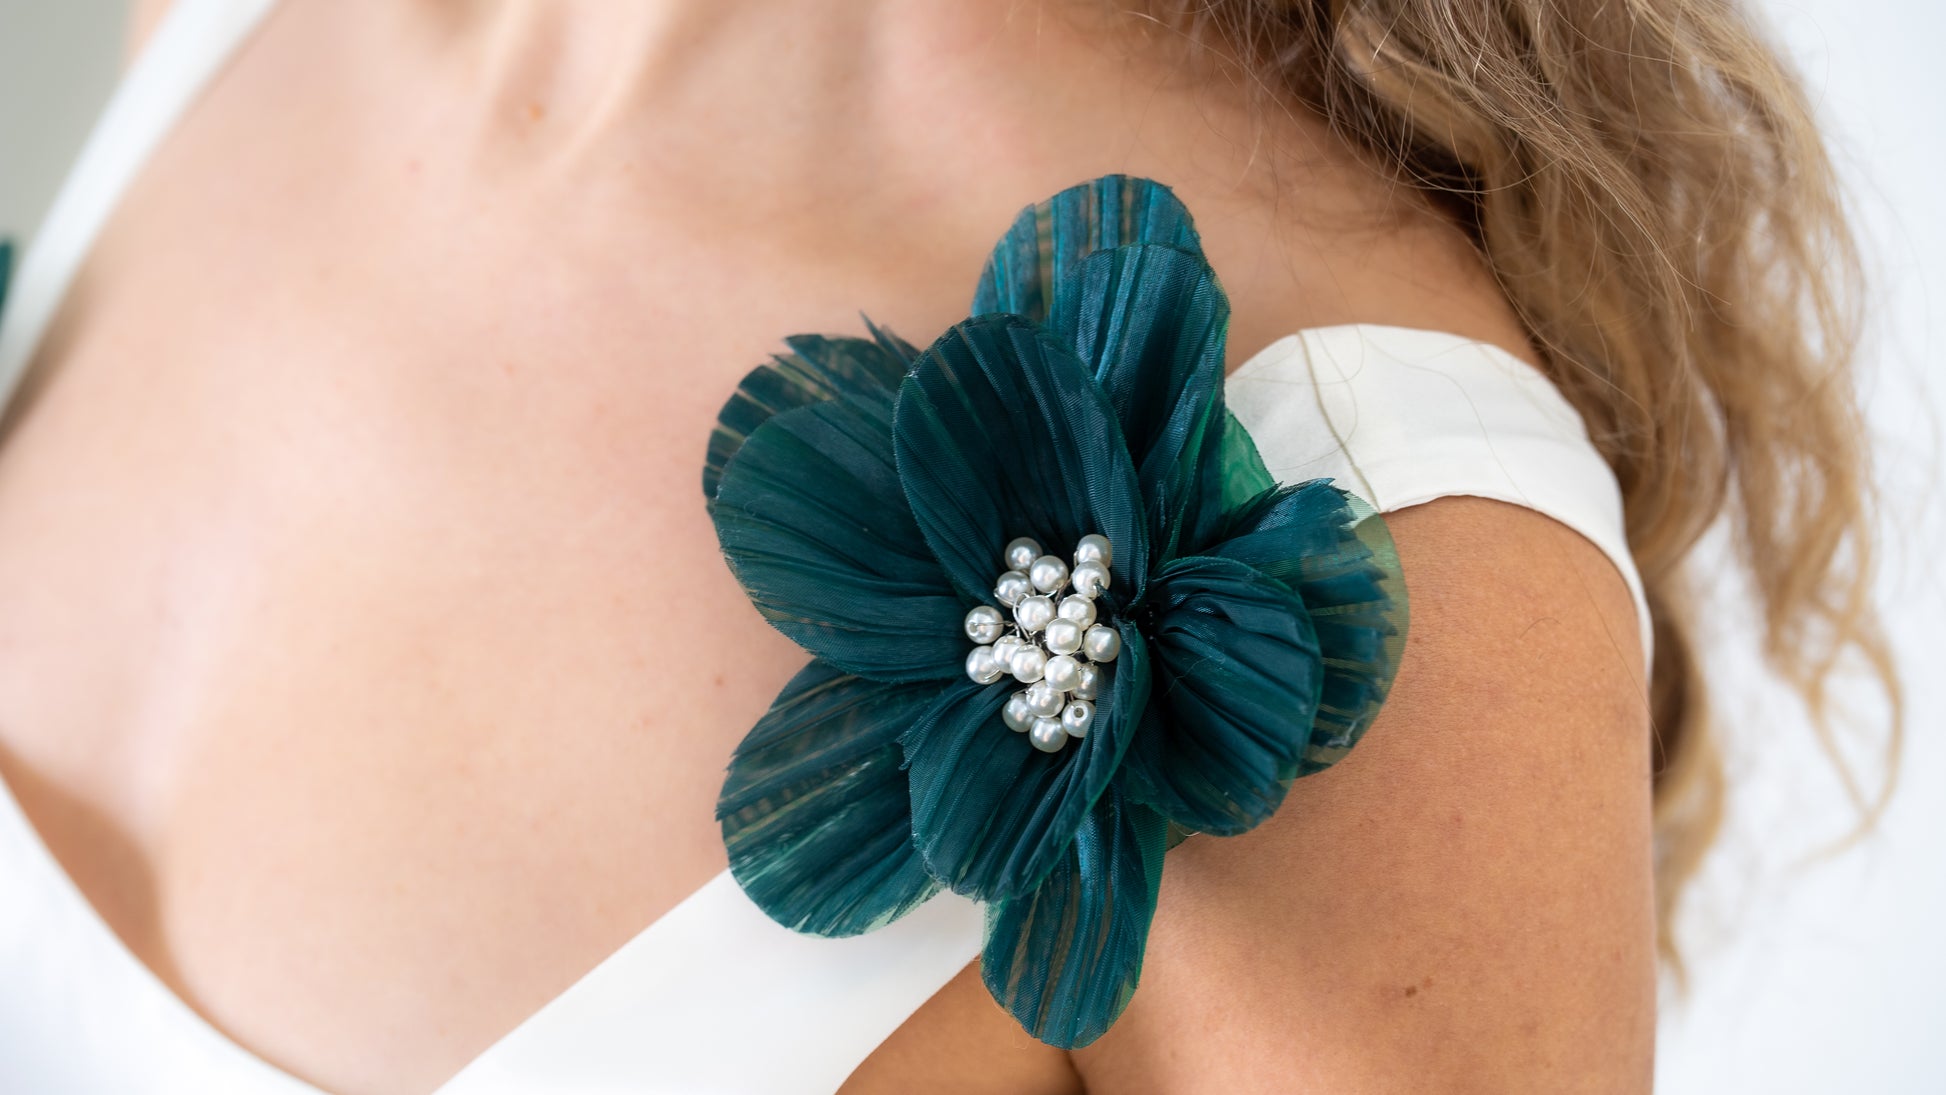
(1064, 958)
(812, 519)
(1152, 321)
(1232, 479)
(1002, 433)
(815, 369)
(992, 815)
(1236, 688)
(816, 811)
(1028, 272)
(1335, 552)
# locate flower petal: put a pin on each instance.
(1152, 321)
(812, 519)
(1235, 478)
(817, 368)
(1001, 433)
(1332, 549)
(991, 814)
(815, 811)
(1237, 677)
(1064, 958)
(1028, 273)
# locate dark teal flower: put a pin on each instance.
(864, 492)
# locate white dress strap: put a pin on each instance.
(188, 47)
(1400, 416)
(718, 999)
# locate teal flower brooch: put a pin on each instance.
(1059, 614)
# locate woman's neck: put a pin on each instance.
(829, 94)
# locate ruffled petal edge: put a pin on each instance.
(814, 368)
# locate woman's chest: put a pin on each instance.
(366, 653)
(370, 662)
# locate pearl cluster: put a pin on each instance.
(1055, 644)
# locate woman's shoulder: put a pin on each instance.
(1371, 344)
(1310, 234)
(1467, 894)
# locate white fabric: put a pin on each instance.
(714, 998)
(186, 51)
(1401, 416)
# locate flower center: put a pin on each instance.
(1055, 644)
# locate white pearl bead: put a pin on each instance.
(1094, 548)
(1034, 613)
(1090, 683)
(984, 624)
(981, 667)
(1063, 636)
(1077, 608)
(1016, 715)
(1102, 643)
(1047, 735)
(1043, 701)
(1048, 574)
(1011, 587)
(1028, 664)
(1077, 717)
(1021, 553)
(1004, 649)
(1090, 579)
(1062, 673)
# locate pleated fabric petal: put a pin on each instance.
(1233, 476)
(816, 369)
(1028, 273)
(1064, 958)
(816, 812)
(1331, 548)
(992, 815)
(1152, 321)
(812, 519)
(1236, 689)
(896, 348)
(1001, 433)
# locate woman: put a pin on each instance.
(372, 667)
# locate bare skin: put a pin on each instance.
(368, 661)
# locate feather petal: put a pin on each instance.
(992, 815)
(816, 813)
(1000, 432)
(1237, 677)
(1028, 273)
(812, 519)
(1065, 957)
(1152, 322)
(1331, 548)
(816, 369)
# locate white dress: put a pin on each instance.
(1397, 415)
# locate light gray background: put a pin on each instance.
(1810, 979)
(58, 61)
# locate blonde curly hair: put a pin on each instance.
(1647, 184)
